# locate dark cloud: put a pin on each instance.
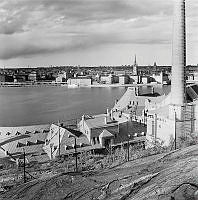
(77, 11)
(30, 28)
(34, 45)
(101, 10)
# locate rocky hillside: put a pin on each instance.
(165, 176)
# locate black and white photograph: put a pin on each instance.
(98, 99)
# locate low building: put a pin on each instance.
(111, 129)
(135, 79)
(33, 76)
(79, 81)
(145, 79)
(61, 77)
(160, 78)
(119, 72)
(6, 78)
(124, 79)
(109, 79)
(20, 78)
(63, 141)
(14, 140)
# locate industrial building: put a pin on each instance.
(176, 115)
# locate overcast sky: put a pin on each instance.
(91, 32)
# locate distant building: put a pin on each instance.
(145, 79)
(20, 78)
(33, 76)
(119, 72)
(79, 81)
(124, 79)
(160, 78)
(109, 79)
(135, 79)
(6, 78)
(61, 77)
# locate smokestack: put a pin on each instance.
(107, 112)
(178, 82)
(111, 114)
(105, 119)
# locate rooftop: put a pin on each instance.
(98, 121)
(162, 111)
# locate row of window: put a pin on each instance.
(29, 143)
(96, 140)
(27, 132)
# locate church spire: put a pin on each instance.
(135, 66)
(135, 62)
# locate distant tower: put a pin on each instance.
(155, 67)
(135, 72)
(178, 82)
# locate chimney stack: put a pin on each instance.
(178, 82)
(105, 119)
(108, 112)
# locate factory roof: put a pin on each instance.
(98, 121)
(29, 138)
(162, 111)
(130, 98)
(106, 133)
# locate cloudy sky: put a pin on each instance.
(91, 32)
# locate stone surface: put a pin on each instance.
(163, 176)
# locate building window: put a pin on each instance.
(98, 140)
(94, 140)
(153, 128)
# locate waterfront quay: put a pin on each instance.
(30, 84)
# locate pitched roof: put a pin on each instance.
(99, 121)
(14, 144)
(13, 138)
(162, 111)
(106, 133)
(67, 143)
(75, 132)
(129, 97)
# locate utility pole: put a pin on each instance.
(175, 132)
(75, 151)
(76, 155)
(24, 177)
(59, 138)
(128, 142)
(51, 146)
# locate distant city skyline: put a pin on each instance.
(91, 32)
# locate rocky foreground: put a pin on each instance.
(165, 176)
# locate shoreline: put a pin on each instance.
(30, 84)
(123, 85)
(55, 84)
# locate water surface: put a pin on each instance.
(41, 105)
